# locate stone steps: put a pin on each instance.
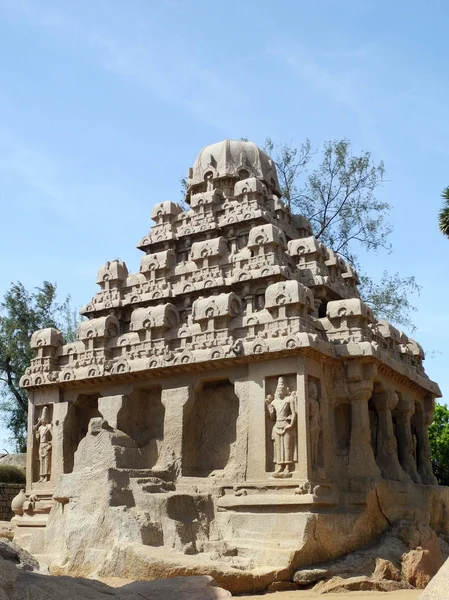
(265, 553)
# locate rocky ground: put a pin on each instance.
(396, 566)
(308, 595)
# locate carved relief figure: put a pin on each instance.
(314, 421)
(44, 437)
(282, 410)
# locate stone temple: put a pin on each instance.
(233, 408)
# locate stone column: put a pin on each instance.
(170, 453)
(423, 420)
(386, 450)
(304, 466)
(238, 465)
(60, 412)
(403, 413)
(257, 443)
(30, 444)
(361, 457)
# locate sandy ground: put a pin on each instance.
(301, 595)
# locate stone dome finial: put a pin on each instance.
(234, 159)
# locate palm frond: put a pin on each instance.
(443, 216)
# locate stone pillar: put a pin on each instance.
(170, 453)
(257, 443)
(60, 412)
(113, 409)
(423, 420)
(386, 450)
(30, 444)
(238, 464)
(403, 413)
(304, 466)
(361, 457)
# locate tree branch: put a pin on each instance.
(12, 387)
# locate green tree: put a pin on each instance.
(338, 196)
(439, 443)
(21, 313)
(443, 217)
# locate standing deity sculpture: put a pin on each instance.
(44, 436)
(314, 422)
(282, 410)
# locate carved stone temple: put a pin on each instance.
(233, 408)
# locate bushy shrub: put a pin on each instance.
(10, 474)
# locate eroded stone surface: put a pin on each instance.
(232, 408)
(438, 588)
(23, 585)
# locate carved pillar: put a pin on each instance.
(386, 449)
(423, 420)
(170, 453)
(403, 413)
(361, 457)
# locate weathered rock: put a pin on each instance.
(282, 586)
(421, 564)
(358, 584)
(438, 588)
(8, 577)
(35, 586)
(443, 540)
(378, 560)
(424, 559)
(385, 569)
(7, 530)
(20, 557)
(305, 577)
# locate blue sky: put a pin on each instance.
(105, 104)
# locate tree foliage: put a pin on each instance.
(443, 217)
(21, 314)
(337, 194)
(439, 443)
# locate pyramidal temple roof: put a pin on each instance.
(236, 277)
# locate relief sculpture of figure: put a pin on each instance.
(282, 410)
(314, 422)
(44, 436)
